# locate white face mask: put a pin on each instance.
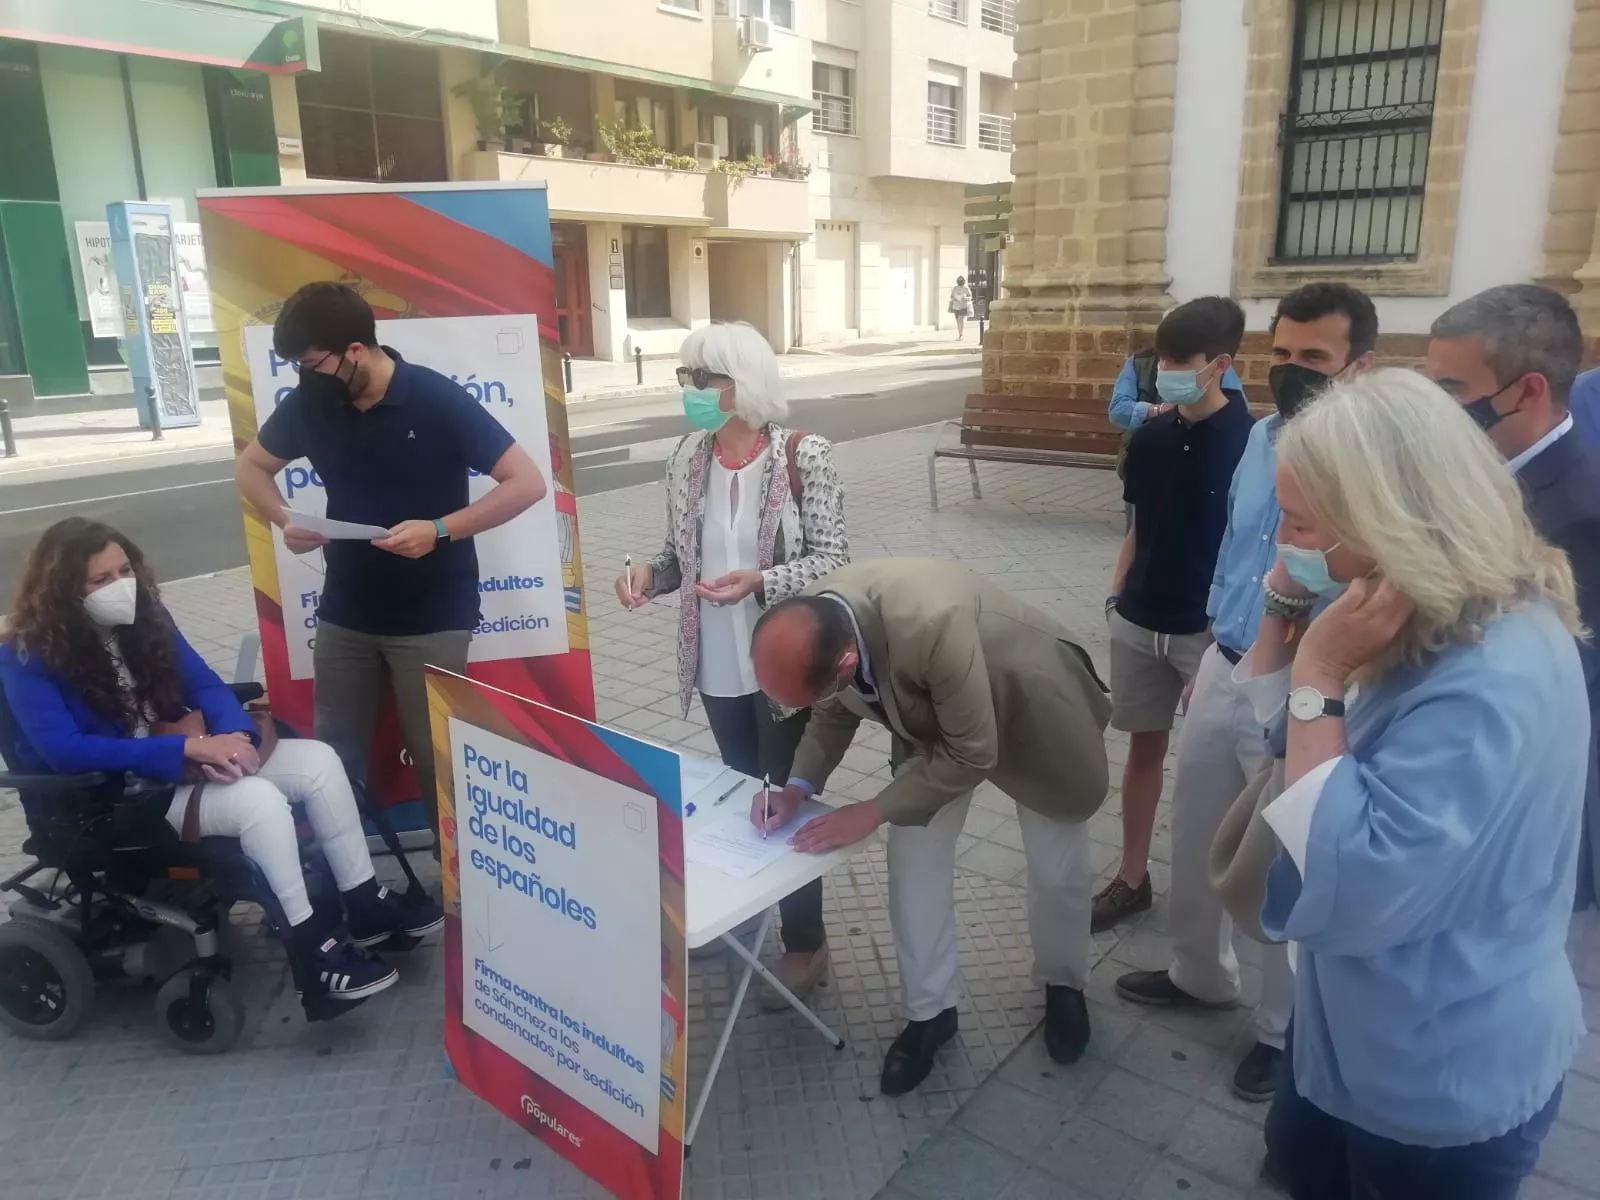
(113, 605)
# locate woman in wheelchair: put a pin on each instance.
(92, 662)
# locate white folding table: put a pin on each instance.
(717, 904)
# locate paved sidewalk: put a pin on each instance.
(363, 1108)
(58, 439)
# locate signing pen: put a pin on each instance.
(766, 804)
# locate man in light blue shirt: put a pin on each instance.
(1321, 331)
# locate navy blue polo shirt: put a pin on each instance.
(406, 458)
(1177, 476)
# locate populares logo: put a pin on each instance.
(531, 1108)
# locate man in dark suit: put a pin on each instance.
(1510, 356)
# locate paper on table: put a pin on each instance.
(334, 530)
(728, 843)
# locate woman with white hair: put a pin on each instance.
(1436, 738)
(755, 513)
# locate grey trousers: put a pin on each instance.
(355, 671)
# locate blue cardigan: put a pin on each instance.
(1435, 1003)
(61, 734)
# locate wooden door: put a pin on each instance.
(572, 299)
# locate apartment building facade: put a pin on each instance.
(797, 164)
(914, 102)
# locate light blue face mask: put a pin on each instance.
(1309, 568)
(703, 407)
(1180, 388)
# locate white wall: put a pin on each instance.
(475, 18)
(1207, 135)
(1510, 151)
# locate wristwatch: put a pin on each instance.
(1307, 704)
(441, 531)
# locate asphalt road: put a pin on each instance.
(186, 516)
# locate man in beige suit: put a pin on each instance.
(973, 685)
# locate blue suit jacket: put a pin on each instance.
(1562, 486)
(61, 734)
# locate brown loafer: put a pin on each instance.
(800, 973)
(1119, 899)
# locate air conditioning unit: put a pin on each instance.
(706, 153)
(755, 34)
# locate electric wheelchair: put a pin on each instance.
(126, 897)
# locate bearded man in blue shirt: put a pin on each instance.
(1322, 332)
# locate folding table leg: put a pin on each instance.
(727, 1026)
(754, 964)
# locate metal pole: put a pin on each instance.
(5, 427)
(980, 331)
(638, 364)
(566, 367)
(155, 417)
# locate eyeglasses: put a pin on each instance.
(699, 377)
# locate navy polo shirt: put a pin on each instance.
(406, 458)
(1177, 476)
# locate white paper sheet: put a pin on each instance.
(334, 530)
(698, 775)
(727, 842)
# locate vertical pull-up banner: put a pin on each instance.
(462, 279)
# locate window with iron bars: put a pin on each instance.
(944, 114)
(948, 10)
(998, 16)
(1356, 129)
(833, 88)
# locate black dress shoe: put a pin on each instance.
(911, 1055)
(1066, 1024)
(1256, 1080)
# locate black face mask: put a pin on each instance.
(323, 388)
(1483, 411)
(1293, 386)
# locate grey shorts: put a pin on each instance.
(1149, 671)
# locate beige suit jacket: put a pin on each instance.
(974, 685)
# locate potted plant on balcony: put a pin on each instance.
(557, 137)
(491, 104)
(786, 168)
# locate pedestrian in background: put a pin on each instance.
(1320, 331)
(1176, 476)
(755, 512)
(1437, 742)
(961, 305)
(394, 443)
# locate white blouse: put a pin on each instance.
(729, 541)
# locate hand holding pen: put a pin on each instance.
(633, 585)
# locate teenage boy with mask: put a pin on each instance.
(1175, 481)
(393, 443)
(1321, 332)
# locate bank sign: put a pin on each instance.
(496, 360)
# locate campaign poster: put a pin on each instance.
(462, 279)
(564, 938)
(99, 274)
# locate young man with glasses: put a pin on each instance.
(394, 444)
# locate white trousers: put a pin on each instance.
(922, 906)
(1220, 749)
(255, 810)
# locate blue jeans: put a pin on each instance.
(1318, 1157)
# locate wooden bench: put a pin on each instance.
(1046, 431)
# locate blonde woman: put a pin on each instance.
(1436, 739)
(755, 513)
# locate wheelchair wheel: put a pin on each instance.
(46, 984)
(203, 1021)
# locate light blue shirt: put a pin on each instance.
(1435, 1002)
(1585, 403)
(1127, 411)
(1250, 543)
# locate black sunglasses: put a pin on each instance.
(699, 377)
